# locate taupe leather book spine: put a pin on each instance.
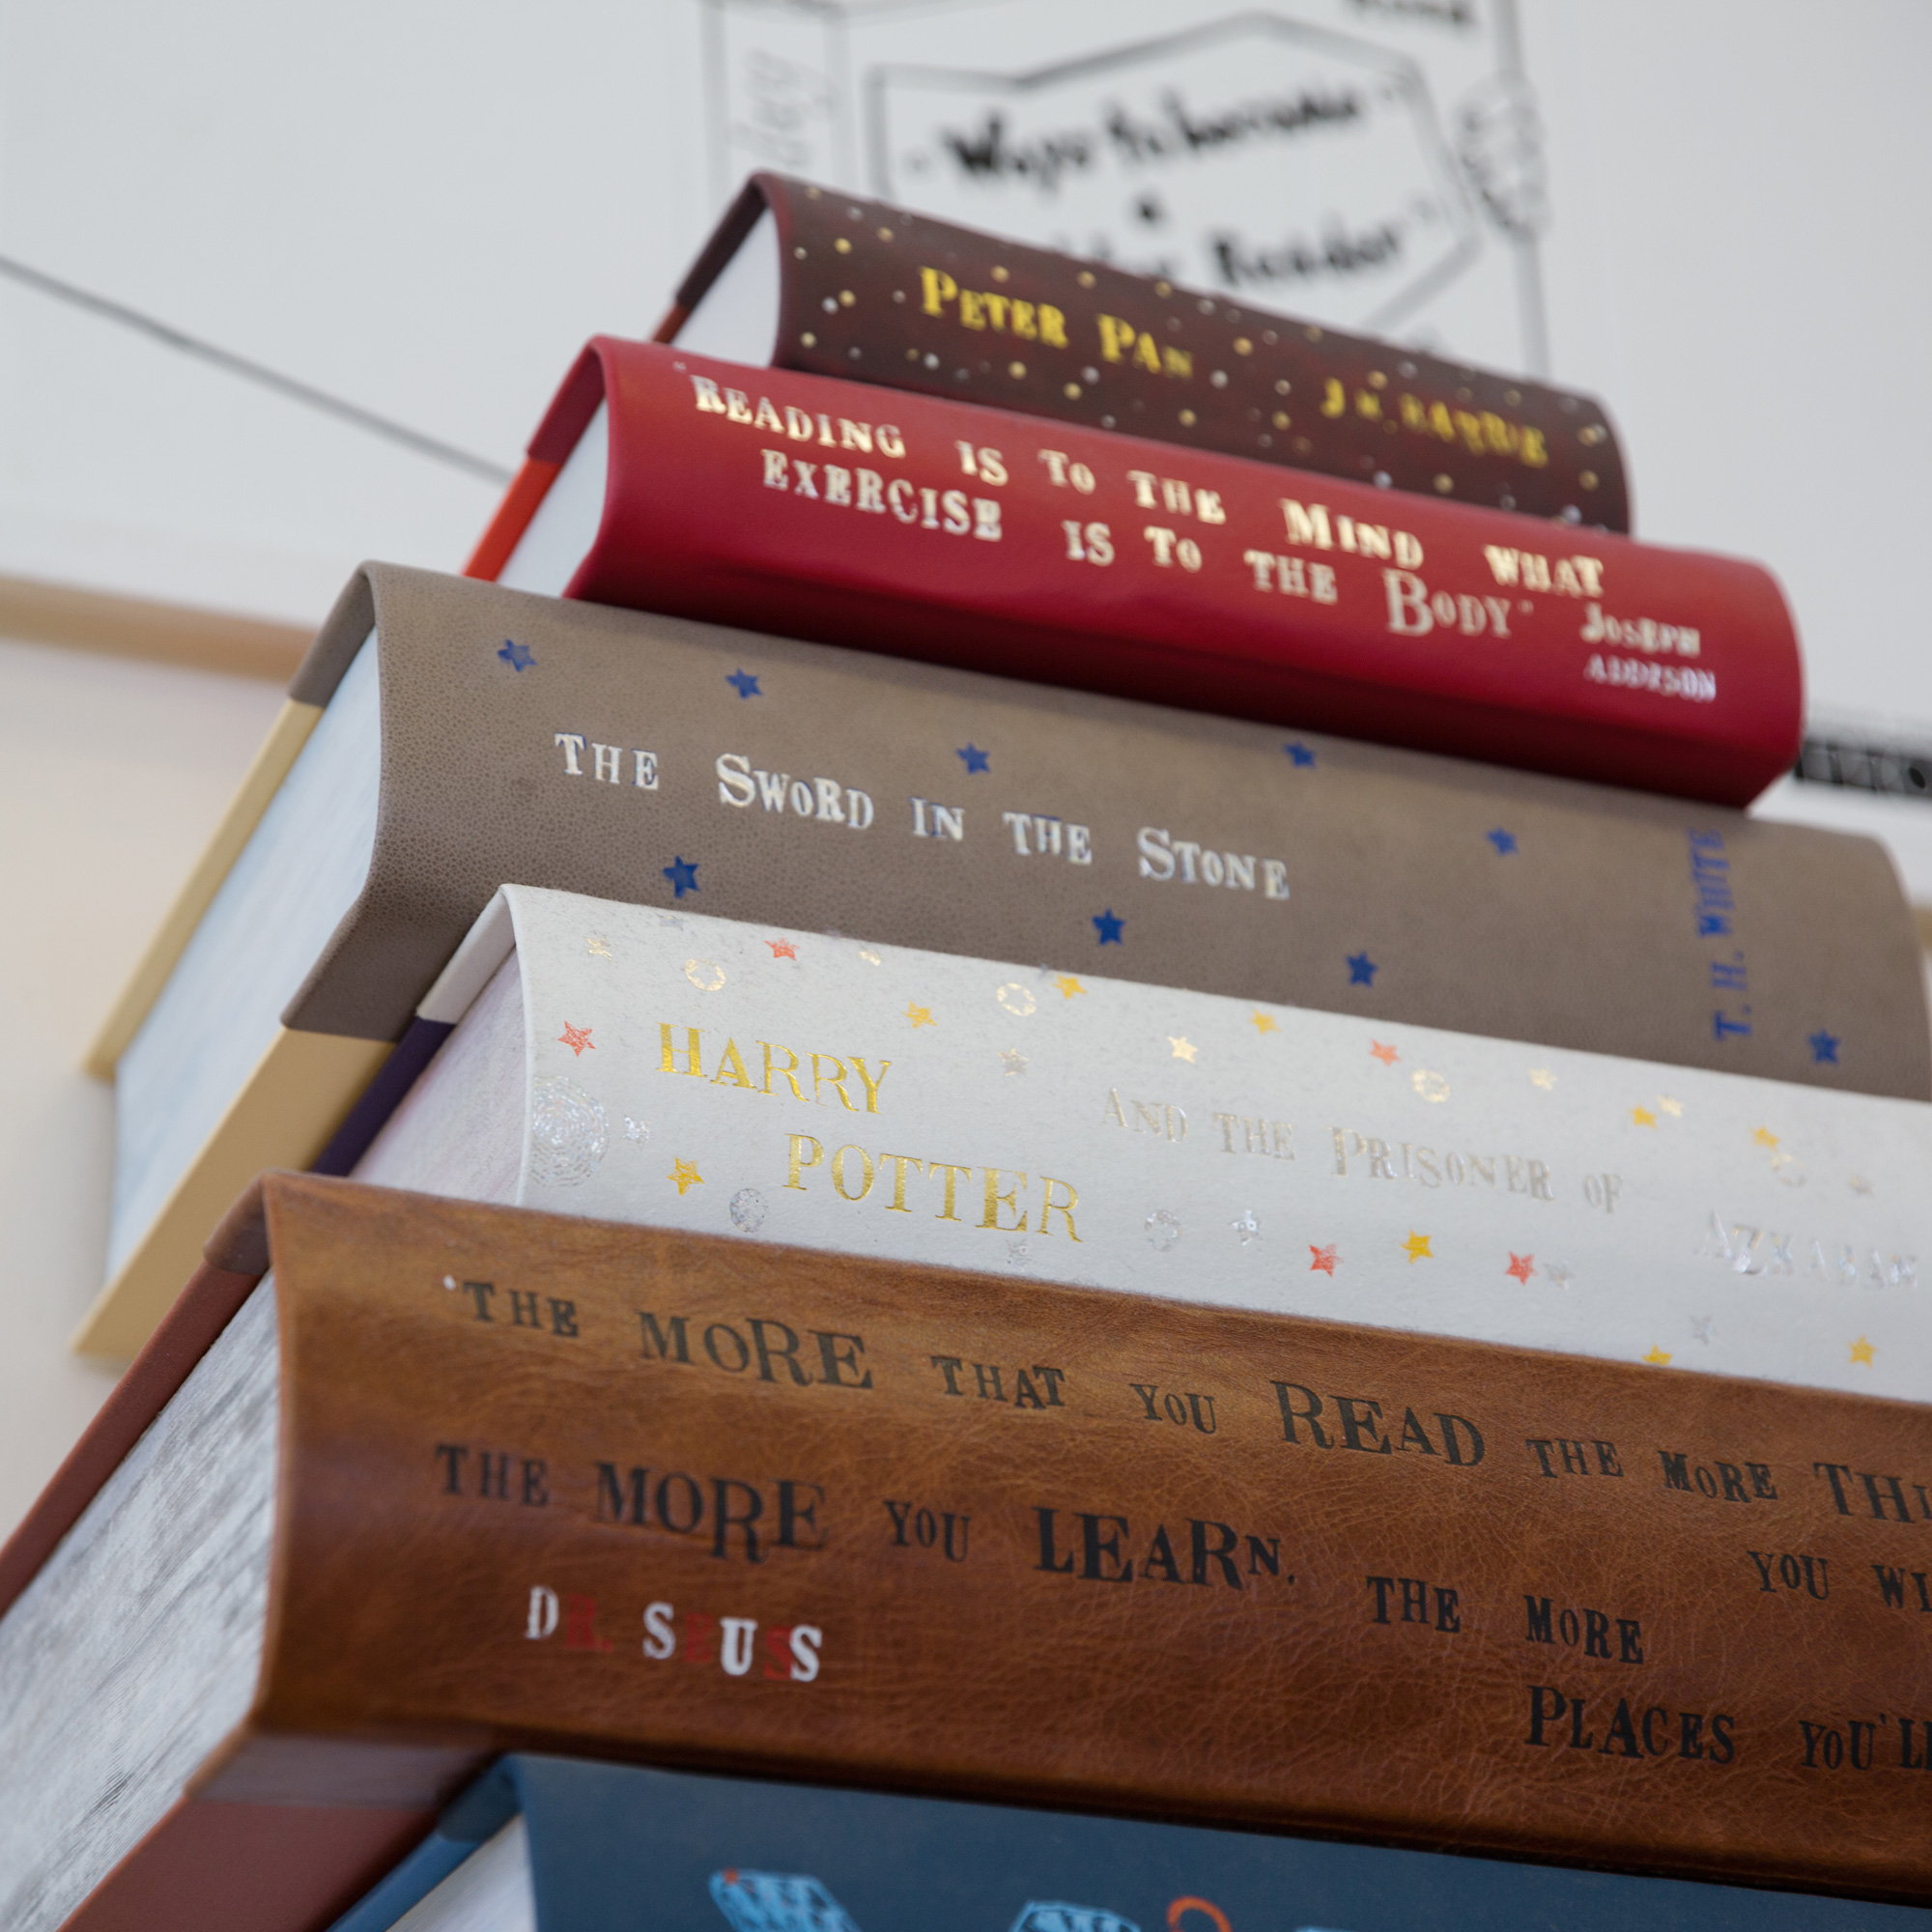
(557, 1484)
(883, 295)
(675, 764)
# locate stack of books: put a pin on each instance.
(1323, 1327)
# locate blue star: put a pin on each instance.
(1361, 970)
(1824, 1048)
(516, 656)
(1503, 842)
(1299, 752)
(976, 760)
(746, 685)
(683, 876)
(1108, 926)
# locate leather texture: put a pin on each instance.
(1249, 382)
(1173, 1560)
(927, 528)
(1614, 925)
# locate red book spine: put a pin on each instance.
(971, 536)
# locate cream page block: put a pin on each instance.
(1065, 1126)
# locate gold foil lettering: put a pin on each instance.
(730, 1069)
(871, 1084)
(839, 1171)
(1307, 527)
(900, 1162)
(951, 1171)
(669, 1064)
(995, 1201)
(835, 1081)
(788, 1070)
(799, 1159)
(1049, 1205)
(1116, 338)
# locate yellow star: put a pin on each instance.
(1068, 985)
(1657, 1357)
(1861, 1351)
(1674, 1108)
(1542, 1076)
(600, 949)
(1642, 1117)
(1765, 1138)
(1183, 1047)
(684, 1175)
(919, 1015)
(1263, 1024)
(1417, 1246)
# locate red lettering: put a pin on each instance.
(778, 1654)
(580, 1625)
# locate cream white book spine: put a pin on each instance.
(700, 1073)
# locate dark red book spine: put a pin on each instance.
(975, 537)
(882, 295)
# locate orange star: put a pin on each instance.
(1324, 1260)
(577, 1038)
(1387, 1055)
(783, 949)
(1523, 1267)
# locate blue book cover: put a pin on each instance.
(615, 1848)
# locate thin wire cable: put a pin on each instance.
(252, 372)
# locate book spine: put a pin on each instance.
(1077, 830)
(965, 535)
(886, 296)
(714, 1503)
(1165, 1142)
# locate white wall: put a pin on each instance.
(112, 775)
(1738, 264)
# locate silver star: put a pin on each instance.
(635, 1130)
(1018, 1251)
(1701, 1326)
(1860, 1185)
(1012, 1060)
(1558, 1273)
(1246, 1226)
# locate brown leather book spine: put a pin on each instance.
(555, 1484)
(880, 295)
